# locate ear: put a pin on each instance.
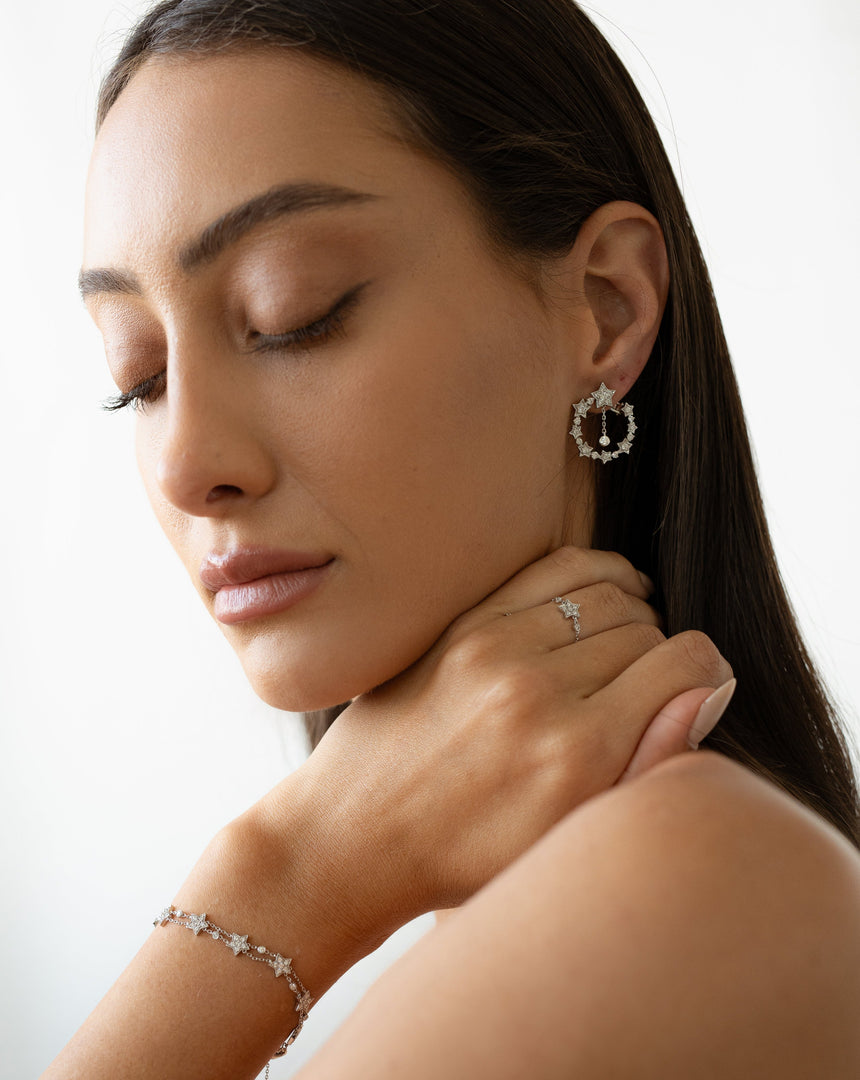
(622, 273)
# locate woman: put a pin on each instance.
(361, 288)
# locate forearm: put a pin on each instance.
(185, 1006)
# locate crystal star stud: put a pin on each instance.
(238, 943)
(197, 923)
(603, 397)
(281, 966)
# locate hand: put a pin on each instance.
(429, 786)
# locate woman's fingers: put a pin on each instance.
(632, 671)
(687, 661)
(592, 664)
(679, 727)
(602, 607)
(567, 570)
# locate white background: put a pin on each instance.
(129, 736)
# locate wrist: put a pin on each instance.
(278, 874)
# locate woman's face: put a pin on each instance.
(348, 491)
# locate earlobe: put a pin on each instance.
(626, 285)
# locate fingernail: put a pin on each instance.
(710, 712)
(647, 582)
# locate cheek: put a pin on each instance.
(440, 468)
(438, 432)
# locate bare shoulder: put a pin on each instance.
(728, 912)
(725, 811)
(702, 815)
(694, 922)
(702, 839)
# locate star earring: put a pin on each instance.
(602, 399)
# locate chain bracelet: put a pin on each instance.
(240, 946)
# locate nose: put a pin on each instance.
(213, 454)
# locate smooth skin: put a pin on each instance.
(622, 914)
(425, 446)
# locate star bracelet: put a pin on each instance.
(239, 945)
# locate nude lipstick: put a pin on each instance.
(251, 583)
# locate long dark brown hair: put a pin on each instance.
(529, 105)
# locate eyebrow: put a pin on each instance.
(228, 229)
(91, 282)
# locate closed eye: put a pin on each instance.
(328, 326)
(145, 393)
(319, 331)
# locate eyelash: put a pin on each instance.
(319, 331)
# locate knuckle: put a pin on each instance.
(646, 637)
(568, 560)
(613, 600)
(515, 692)
(698, 653)
(472, 651)
(465, 624)
(619, 563)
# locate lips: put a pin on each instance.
(254, 583)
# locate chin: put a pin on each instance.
(299, 693)
(311, 668)
(298, 699)
(298, 683)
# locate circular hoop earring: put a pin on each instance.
(602, 399)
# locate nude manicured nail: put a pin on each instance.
(710, 712)
(647, 582)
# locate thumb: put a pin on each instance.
(679, 726)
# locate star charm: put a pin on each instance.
(238, 944)
(163, 917)
(582, 408)
(568, 608)
(603, 397)
(197, 923)
(280, 965)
